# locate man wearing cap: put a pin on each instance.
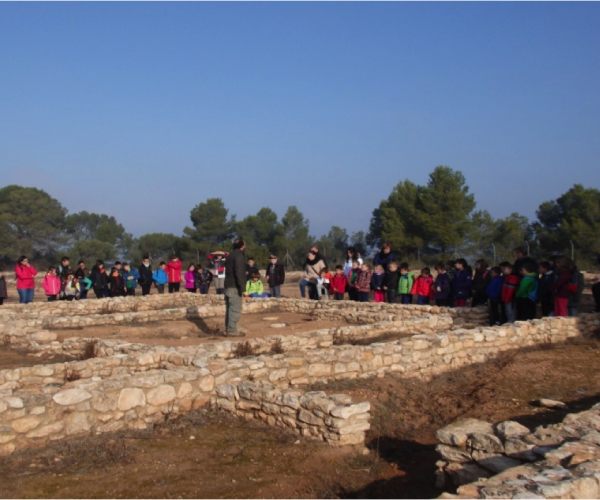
(235, 286)
(275, 276)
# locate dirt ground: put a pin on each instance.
(201, 331)
(233, 458)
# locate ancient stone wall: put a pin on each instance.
(135, 385)
(509, 461)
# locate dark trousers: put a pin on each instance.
(441, 302)
(99, 292)
(547, 304)
(191, 290)
(479, 298)
(406, 298)
(422, 300)
(160, 288)
(312, 292)
(204, 289)
(131, 292)
(596, 294)
(352, 294)
(525, 309)
(338, 296)
(83, 294)
(495, 312)
(363, 296)
(390, 296)
(51, 298)
(146, 289)
(174, 287)
(1, 300)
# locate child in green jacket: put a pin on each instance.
(405, 284)
(254, 288)
(527, 293)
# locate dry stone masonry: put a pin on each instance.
(509, 461)
(134, 385)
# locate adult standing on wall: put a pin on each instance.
(313, 266)
(174, 273)
(145, 271)
(384, 257)
(235, 286)
(99, 279)
(25, 274)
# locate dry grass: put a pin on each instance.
(277, 347)
(243, 350)
(90, 350)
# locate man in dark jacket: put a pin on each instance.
(275, 276)
(235, 286)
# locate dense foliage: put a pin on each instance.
(424, 223)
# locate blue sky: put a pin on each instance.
(143, 110)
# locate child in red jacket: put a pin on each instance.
(337, 283)
(174, 274)
(423, 287)
(561, 287)
(507, 296)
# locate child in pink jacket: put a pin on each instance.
(51, 284)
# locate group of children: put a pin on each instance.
(512, 291)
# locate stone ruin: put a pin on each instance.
(135, 385)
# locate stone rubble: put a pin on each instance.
(510, 461)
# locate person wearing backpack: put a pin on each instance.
(527, 293)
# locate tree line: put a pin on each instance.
(422, 223)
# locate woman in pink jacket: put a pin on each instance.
(25, 274)
(51, 284)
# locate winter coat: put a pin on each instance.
(509, 288)
(174, 271)
(254, 287)
(461, 286)
(363, 281)
(84, 283)
(250, 270)
(131, 284)
(219, 265)
(203, 278)
(353, 277)
(190, 280)
(377, 281)
(527, 286)
(160, 277)
(275, 274)
(494, 289)
(145, 273)
(560, 287)
(575, 297)
(405, 283)
(442, 281)
(82, 273)
(71, 288)
(116, 284)
(25, 277)
(481, 280)
(51, 284)
(337, 283)
(348, 266)
(235, 271)
(3, 290)
(383, 259)
(423, 286)
(390, 280)
(312, 271)
(99, 278)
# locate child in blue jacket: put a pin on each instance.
(160, 277)
(494, 293)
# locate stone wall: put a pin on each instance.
(334, 418)
(509, 461)
(135, 385)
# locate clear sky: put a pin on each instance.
(143, 110)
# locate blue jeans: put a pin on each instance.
(204, 289)
(422, 300)
(263, 295)
(25, 295)
(303, 285)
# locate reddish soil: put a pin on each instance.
(231, 458)
(17, 358)
(201, 331)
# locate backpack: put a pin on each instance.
(533, 295)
